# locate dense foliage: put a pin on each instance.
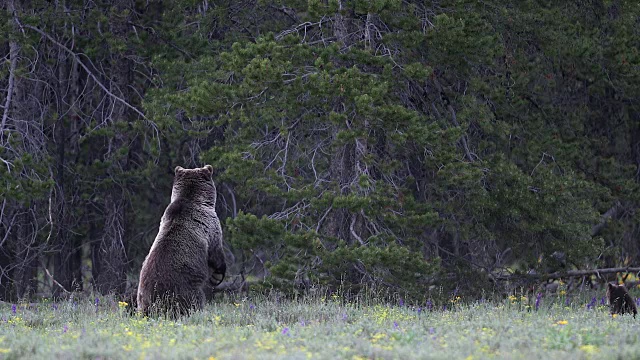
(392, 143)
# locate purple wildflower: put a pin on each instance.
(395, 324)
(54, 306)
(602, 302)
(444, 307)
(251, 307)
(344, 317)
(401, 302)
(419, 310)
(13, 308)
(538, 297)
(432, 331)
(638, 301)
(285, 331)
(65, 328)
(592, 303)
(302, 323)
(429, 305)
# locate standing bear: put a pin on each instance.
(187, 252)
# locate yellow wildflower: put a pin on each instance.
(589, 349)
(377, 337)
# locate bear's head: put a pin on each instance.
(194, 185)
(616, 294)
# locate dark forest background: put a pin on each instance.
(392, 143)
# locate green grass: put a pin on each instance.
(320, 328)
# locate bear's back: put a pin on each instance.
(179, 261)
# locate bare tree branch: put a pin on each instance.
(611, 213)
(54, 280)
(89, 72)
(454, 119)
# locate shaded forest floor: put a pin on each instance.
(323, 328)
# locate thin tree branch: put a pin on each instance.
(353, 231)
(153, 33)
(54, 280)
(454, 119)
(95, 78)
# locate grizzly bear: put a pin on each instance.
(619, 300)
(187, 252)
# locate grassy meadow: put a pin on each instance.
(314, 327)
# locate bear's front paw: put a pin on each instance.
(216, 279)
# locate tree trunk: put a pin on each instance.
(23, 259)
(340, 172)
(5, 274)
(62, 269)
(112, 251)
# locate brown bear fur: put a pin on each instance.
(620, 301)
(187, 252)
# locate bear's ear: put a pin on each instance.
(209, 169)
(611, 286)
(178, 169)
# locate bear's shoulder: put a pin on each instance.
(176, 208)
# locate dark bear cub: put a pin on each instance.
(187, 252)
(620, 301)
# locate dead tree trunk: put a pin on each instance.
(112, 251)
(61, 265)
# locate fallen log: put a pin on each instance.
(566, 274)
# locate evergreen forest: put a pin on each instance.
(403, 145)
